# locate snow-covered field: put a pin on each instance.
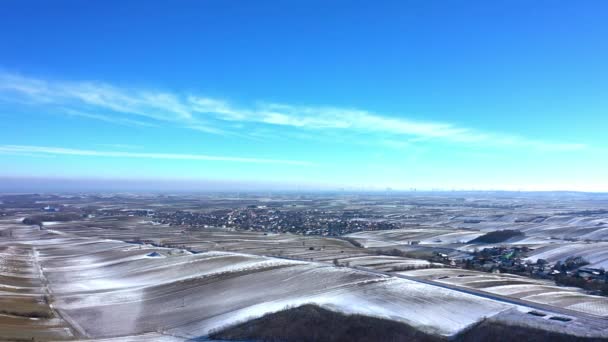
(25, 312)
(533, 290)
(386, 263)
(544, 221)
(596, 253)
(405, 236)
(107, 288)
(310, 248)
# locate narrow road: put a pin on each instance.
(549, 309)
(76, 330)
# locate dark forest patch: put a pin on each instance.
(498, 236)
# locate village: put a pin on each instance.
(271, 220)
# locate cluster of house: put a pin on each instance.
(592, 273)
(272, 220)
(513, 260)
(497, 259)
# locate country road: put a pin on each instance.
(602, 321)
(551, 311)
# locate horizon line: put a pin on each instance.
(127, 184)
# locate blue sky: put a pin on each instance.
(323, 94)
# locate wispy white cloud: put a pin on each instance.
(403, 132)
(108, 118)
(216, 116)
(54, 151)
(154, 105)
(122, 146)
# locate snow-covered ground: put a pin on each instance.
(386, 263)
(596, 253)
(109, 289)
(405, 236)
(534, 290)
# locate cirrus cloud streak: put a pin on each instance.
(55, 151)
(142, 107)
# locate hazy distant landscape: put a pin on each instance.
(437, 266)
